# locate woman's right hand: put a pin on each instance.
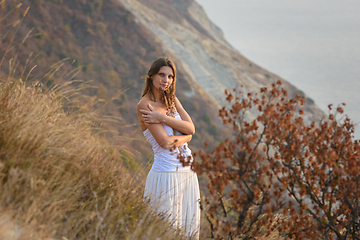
(152, 116)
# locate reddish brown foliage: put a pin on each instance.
(280, 174)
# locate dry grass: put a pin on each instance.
(59, 179)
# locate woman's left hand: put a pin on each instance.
(151, 116)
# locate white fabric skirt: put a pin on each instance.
(177, 196)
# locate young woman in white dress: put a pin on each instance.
(173, 189)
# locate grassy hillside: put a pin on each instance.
(101, 44)
(72, 157)
(59, 179)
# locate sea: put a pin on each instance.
(314, 44)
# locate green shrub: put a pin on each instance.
(214, 130)
(196, 136)
(206, 117)
(88, 8)
(309, 101)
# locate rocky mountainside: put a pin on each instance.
(201, 49)
(111, 44)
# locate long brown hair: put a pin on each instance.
(167, 96)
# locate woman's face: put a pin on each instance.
(163, 79)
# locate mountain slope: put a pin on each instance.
(111, 44)
(200, 47)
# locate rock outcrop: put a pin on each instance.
(201, 50)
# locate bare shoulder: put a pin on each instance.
(142, 104)
(178, 104)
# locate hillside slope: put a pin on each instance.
(200, 47)
(110, 50)
(111, 44)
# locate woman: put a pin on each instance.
(172, 188)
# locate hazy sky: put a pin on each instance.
(314, 44)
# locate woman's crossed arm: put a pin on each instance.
(185, 126)
(158, 131)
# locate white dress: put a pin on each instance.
(172, 189)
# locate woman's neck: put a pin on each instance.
(157, 95)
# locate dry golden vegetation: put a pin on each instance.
(59, 179)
